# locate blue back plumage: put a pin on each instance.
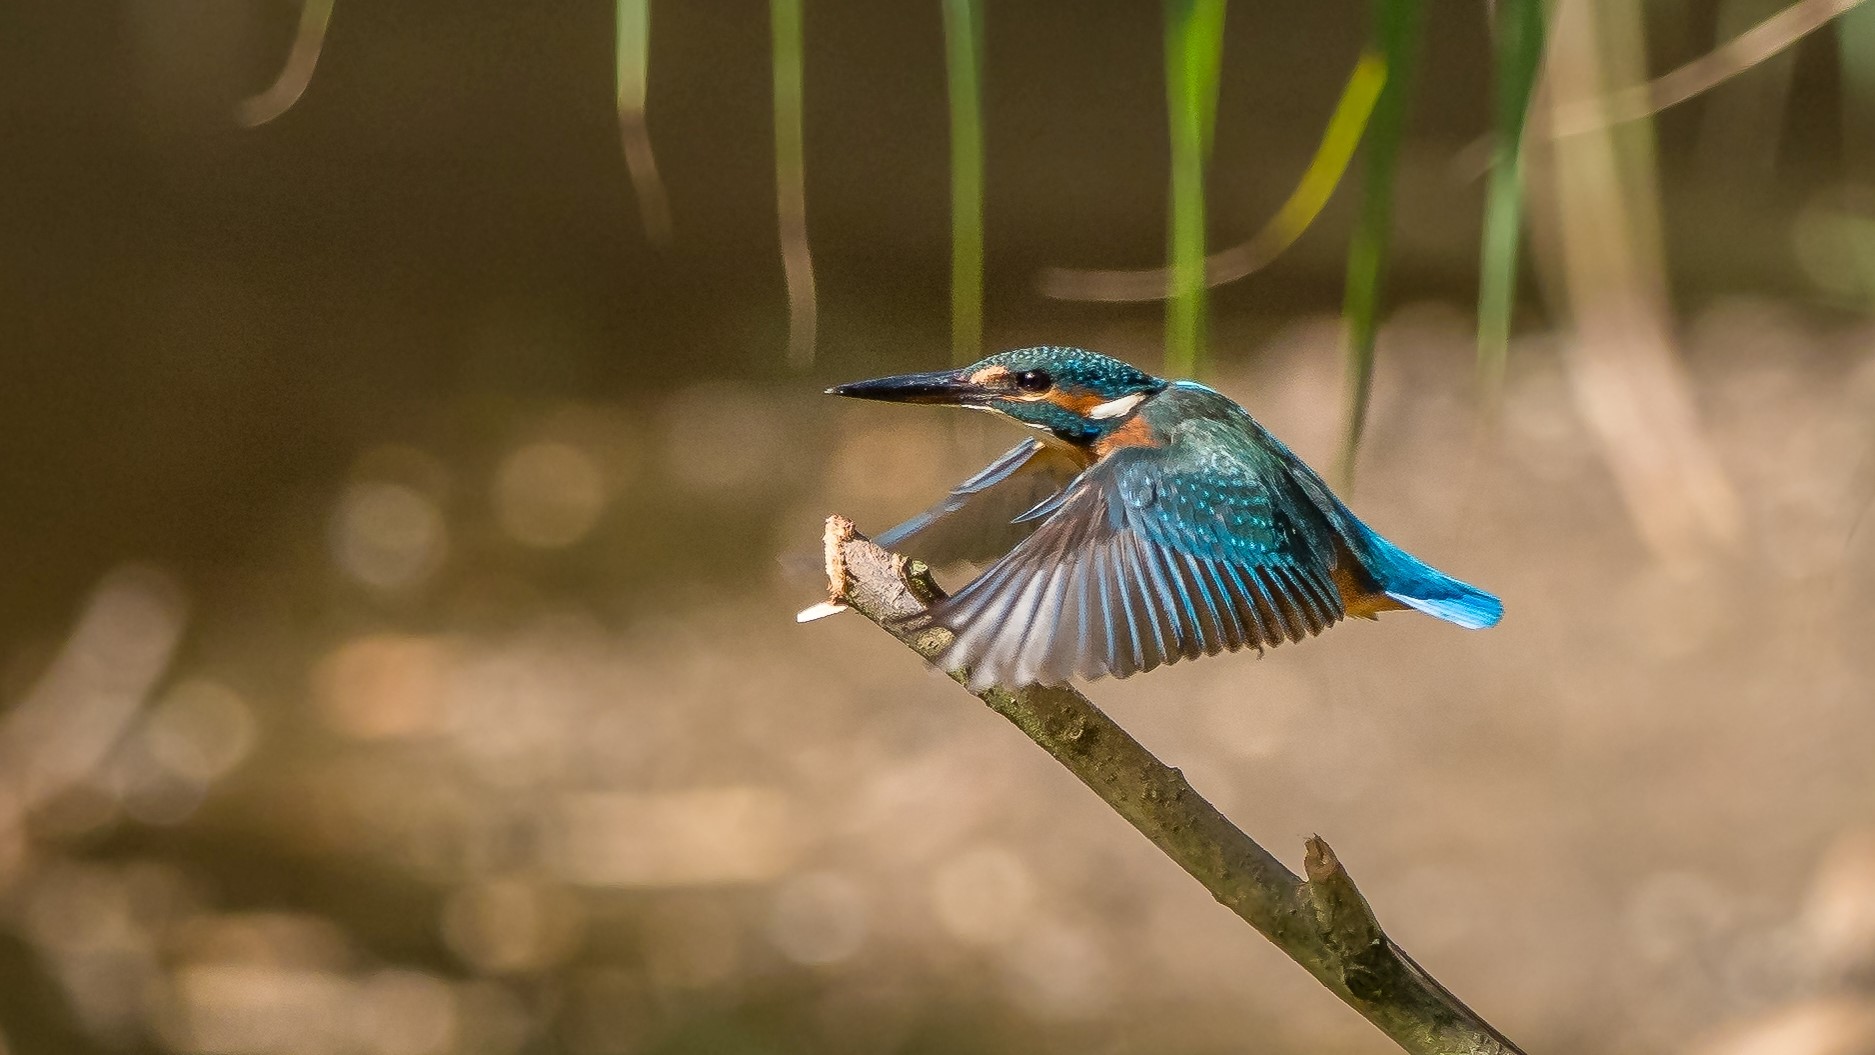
(1397, 573)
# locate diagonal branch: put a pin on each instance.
(1323, 922)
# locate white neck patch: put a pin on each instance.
(1114, 408)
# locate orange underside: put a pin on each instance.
(1358, 594)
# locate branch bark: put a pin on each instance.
(1322, 922)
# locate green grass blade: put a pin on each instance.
(963, 53)
(1324, 172)
(1346, 127)
(1194, 58)
(791, 181)
(632, 54)
(1396, 32)
(1855, 49)
(1519, 56)
(1855, 37)
(1855, 57)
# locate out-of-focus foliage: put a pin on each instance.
(1519, 32)
(1396, 35)
(791, 180)
(963, 52)
(632, 48)
(1340, 139)
(396, 654)
(1194, 57)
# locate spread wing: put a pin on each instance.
(1155, 554)
(976, 522)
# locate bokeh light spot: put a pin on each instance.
(261, 1009)
(405, 1013)
(1060, 972)
(818, 918)
(688, 838)
(724, 438)
(387, 536)
(982, 895)
(382, 687)
(200, 730)
(693, 944)
(548, 494)
(510, 926)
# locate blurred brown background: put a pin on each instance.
(396, 658)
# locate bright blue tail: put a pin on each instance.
(1412, 582)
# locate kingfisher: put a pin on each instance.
(1146, 522)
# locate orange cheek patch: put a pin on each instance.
(1081, 403)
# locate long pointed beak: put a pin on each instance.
(945, 387)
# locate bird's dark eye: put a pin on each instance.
(1034, 381)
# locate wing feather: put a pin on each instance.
(1043, 637)
(1122, 661)
(1141, 605)
(1193, 603)
(1261, 578)
(1243, 600)
(1005, 649)
(1300, 602)
(1210, 619)
(1169, 606)
(1148, 558)
(1230, 623)
(978, 520)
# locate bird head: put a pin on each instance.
(1077, 395)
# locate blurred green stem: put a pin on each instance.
(963, 50)
(1396, 30)
(632, 54)
(1194, 57)
(1304, 204)
(1855, 48)
(1519, 56)
(791, 181)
